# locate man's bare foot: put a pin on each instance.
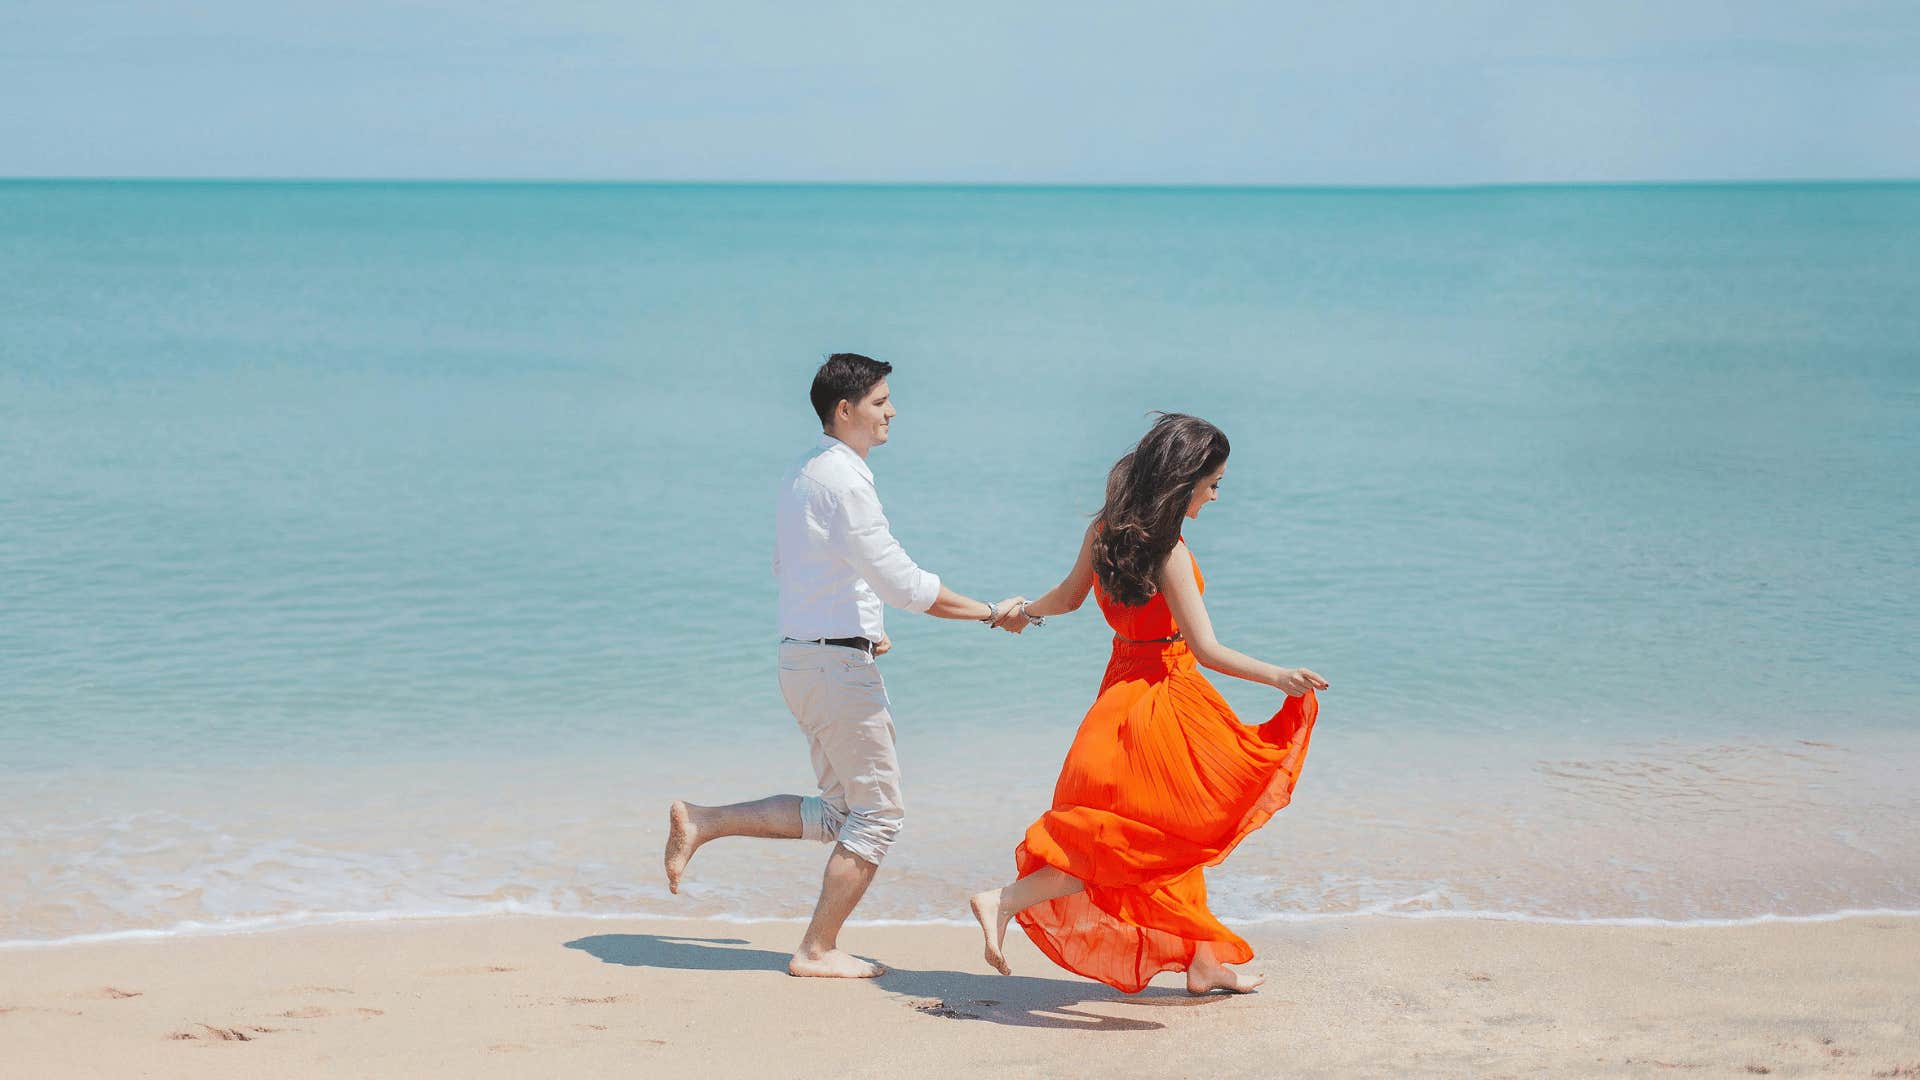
(993, 927)
(1217, 977)
(833, 964)
(683, 839)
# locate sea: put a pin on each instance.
(372, 551)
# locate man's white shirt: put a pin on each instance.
(834, 556)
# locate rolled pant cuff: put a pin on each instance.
(866, 840)
(818, 822)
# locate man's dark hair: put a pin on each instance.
(845, 377)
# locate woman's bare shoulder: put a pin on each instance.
(1178, 554)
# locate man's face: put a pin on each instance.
(865, 423)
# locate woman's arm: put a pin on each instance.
(1072, 590)
(948, 604)
(1182, 591)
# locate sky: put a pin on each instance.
(1275, 92)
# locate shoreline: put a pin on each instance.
(565, 995)
(274, 924)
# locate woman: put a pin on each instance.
(1162, 779)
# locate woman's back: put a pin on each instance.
(1151, 621)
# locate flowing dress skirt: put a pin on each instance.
(1162, 781)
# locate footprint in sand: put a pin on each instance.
(320, 1012)
(936, 1007)
(4, 1009)
(1518, 1019)
(1397, 999)
(210, 1033)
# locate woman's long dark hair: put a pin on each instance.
(1147, 495)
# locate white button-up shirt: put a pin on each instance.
(834, 556)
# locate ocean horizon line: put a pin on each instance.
(958, 185)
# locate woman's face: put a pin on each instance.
(1207, 490)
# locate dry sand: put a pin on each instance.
(582, 998)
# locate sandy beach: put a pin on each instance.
(578, 997)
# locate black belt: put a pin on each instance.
(860, 643)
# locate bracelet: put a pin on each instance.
(993, 612)
(1033, 620)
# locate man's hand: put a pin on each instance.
(881, 647)
(1011, 620)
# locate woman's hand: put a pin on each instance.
(1011, 619)
(881, 647)
(1297, 681)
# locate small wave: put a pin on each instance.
(294, 920)
(304, 919)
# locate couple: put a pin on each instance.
(1162, 779)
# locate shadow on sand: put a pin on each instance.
(1014, 1000)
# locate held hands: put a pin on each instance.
(1297, 681)
(1010, 619)
(883, 646)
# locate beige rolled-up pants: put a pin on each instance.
(840, 703)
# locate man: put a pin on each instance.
(837, 564)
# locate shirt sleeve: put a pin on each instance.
(867, 543)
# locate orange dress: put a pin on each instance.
(1162, 781)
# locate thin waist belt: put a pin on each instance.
(1148, 641)
(860, 643)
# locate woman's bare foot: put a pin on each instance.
(1218, 977)
(993, 927)
(833, 964)
(1206, 974)
(683, 839)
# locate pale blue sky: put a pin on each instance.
(1234, 93)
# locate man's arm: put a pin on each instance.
(951, 605)
(868, 545)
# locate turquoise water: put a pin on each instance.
(392, 548)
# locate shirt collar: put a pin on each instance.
(828, 442)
